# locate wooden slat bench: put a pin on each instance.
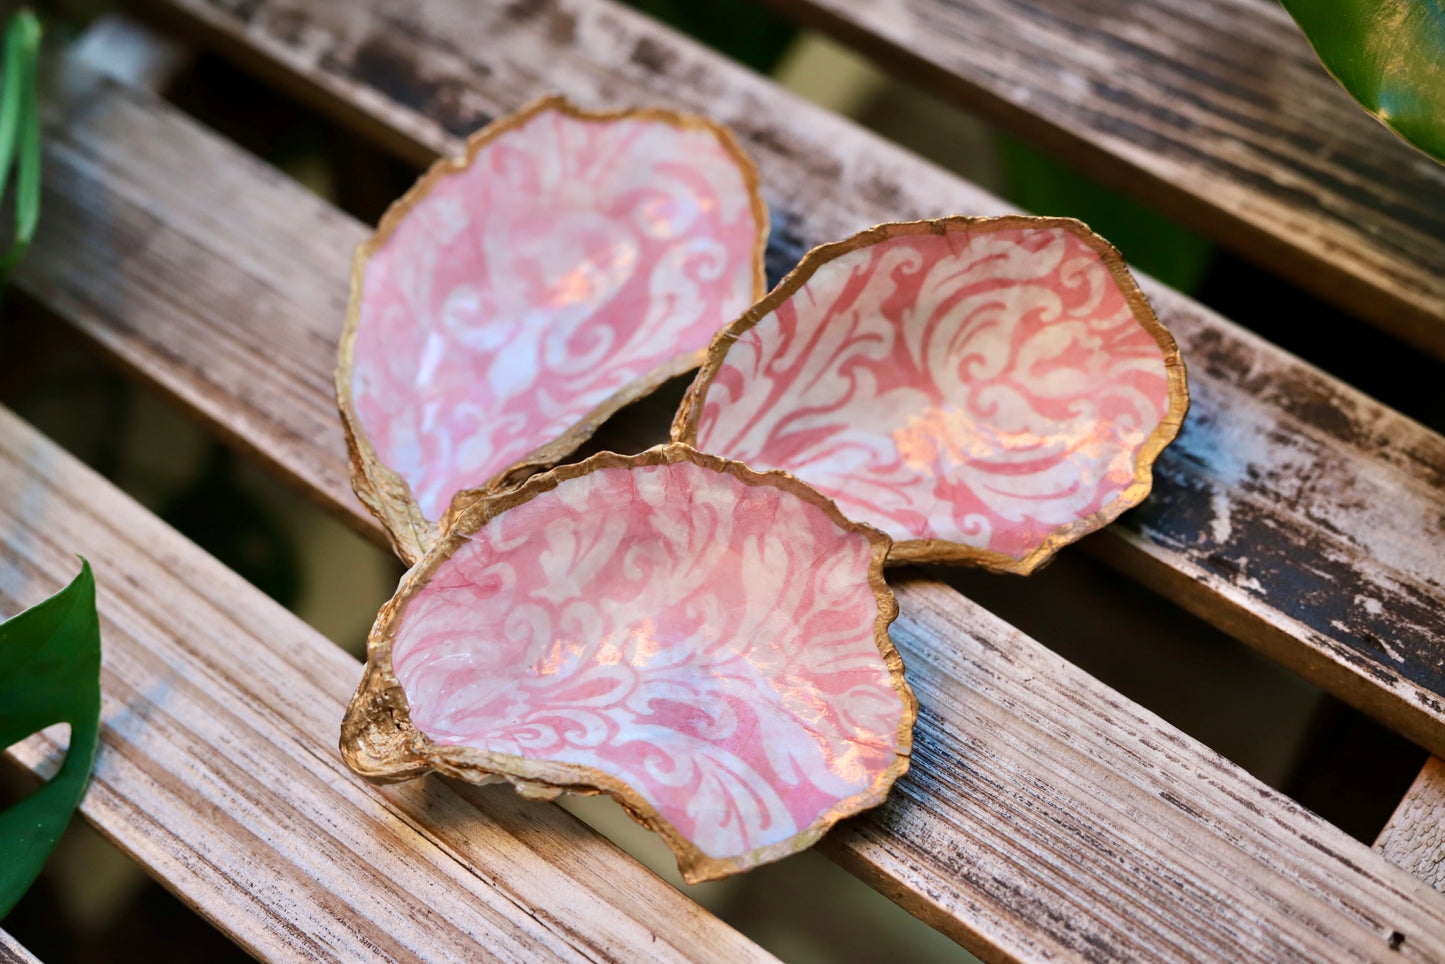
(1024, 764)
(1046, 817)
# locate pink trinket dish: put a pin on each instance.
(516, 297)
(705, 643)
(984, 390)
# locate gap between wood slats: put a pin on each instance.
(1294, 512)
(1045, 816)
(218, 769)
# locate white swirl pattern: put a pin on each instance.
(571, 258)
(988, 388)
(708, 642)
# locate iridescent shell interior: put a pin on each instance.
(512, 300)
(707, 644)
(983, 390)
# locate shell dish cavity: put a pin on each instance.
(569, 264)
(984, 390)
(705, 643)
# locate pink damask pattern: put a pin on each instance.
(571, 258)
(984, 387)
(708, 642)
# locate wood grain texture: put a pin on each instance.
(1216, 112)
(11, 951)
(1098, 804)
(1045, 817)
(1415, 836)
(218, 769)
(1294, 512)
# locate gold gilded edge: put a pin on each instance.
(685, 424)
(380, 488)
(379, 741)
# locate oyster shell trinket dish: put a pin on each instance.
(705, 643)
(700, 631)
(516, 297)
(985, 390)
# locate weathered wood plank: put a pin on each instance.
(1046, 816)
(218, 768)
(11, 951)
(1415, 836)
(1214, 111)
(1294, 512)
(1101, 805)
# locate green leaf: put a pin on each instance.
(1389, 54)
(20, 130)
(49, 673)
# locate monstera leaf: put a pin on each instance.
(1390, 54)
(49, 673)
